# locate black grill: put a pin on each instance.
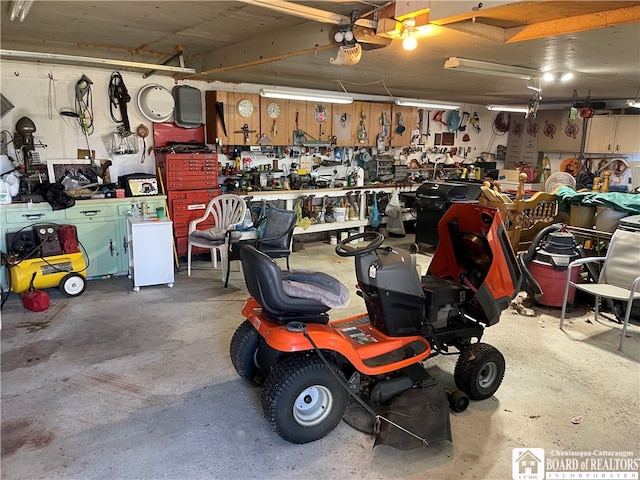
(433, 199)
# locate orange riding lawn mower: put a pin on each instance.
(368, 369)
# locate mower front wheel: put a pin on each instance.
(243, 351)
(479, 370)
(458, 401)
(302, 399)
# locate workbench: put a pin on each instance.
(290, 196)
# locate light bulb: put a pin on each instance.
(410, 43)
(565, 77)
(548, 77)
(348, 35)
(338, 37)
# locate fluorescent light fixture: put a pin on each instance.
(507, 108)
(308, 95)
(488, 68)
(59, 58)
(633, 103)
(20, 9)
(565, 77)
(557, 76)
(429, 104)
(301, 11)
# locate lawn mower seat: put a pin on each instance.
(290, 295)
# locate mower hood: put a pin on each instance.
(474, 249)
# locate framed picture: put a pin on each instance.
(61, 169)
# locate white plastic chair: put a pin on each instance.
(619, 278)
(226, 211)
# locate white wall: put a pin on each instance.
(33, 94)
(29, 87)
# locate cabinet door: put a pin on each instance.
(601, 133)
(522, 145)
(628, 134)
(99, 235)
(213, 119)
(366, 124)
(344, 124)
(297, 119)
(236, 103)
(274, 120)
(380, 112)
(151, 256)
(557, 133)
(320, 123)
(409, 118)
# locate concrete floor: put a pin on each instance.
(119, 385)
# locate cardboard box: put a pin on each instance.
(508, 176)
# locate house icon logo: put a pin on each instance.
(528, 463)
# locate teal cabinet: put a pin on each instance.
(98, 235)
(101, 227)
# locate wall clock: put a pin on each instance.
(245, 108)
(273, 110)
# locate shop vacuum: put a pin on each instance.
(545, 265)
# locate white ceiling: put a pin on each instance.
(238, 42)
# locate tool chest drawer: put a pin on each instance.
(192, 177)
(191, 181)
(191, 184)
(187, 156)
(198, 165)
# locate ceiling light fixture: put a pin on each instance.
(428, 104)
(307, 95)
(508, 108)
(488, 68)
(301, 11)
(557, 76)
(633, 103)
(54, 57)
(20, 9)
(409, 41)
(565, 77)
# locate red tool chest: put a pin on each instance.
(191, 181)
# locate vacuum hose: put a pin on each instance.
(530, 284)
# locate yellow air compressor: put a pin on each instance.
(66, 271)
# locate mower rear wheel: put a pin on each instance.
(479, 370)
(243, 351)
(302, 399)
(72, 285)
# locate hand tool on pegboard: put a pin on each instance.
(166, 210)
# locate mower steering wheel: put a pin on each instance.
(375, 239)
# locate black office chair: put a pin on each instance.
(275, 234)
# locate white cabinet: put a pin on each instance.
(150, 251)
(522, 144)
(557, 133)
(617, 134)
